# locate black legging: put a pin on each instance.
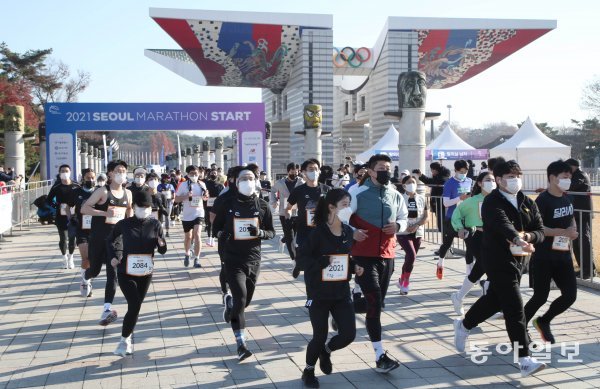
(342, 312)
(134, 289)
(98, 257)
(374, 283)
(64, 236)
(207, 223)
(289, 229)
(544, 268)
(223, 273)
(473, 243)
(447, 238)
(242, 277)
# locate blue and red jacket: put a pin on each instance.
(373, 207)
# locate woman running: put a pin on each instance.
(134, 260)
(410, 239)
(327, 270)
(466, 219)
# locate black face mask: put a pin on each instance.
(384, 177)
(88, 184)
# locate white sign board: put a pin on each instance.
(61, 152)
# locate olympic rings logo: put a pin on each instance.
(348, 56)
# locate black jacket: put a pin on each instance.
(502, 222)
(437, 187)
(137, 236)
(242, 207)
(580, 182)
(313, 257)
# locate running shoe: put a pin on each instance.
(544, 330)
(124, 348)
(71, 263)
(186, 261)
(333, 323)
(325, 362)
(228, 304)
(90, 289)
(167, 234)
(530, 366)
(208, 242)
(243, 352)
(404, 288)
(197, 263)
(385, 364)
(439, 272)
(460, 335)
(309, 379)
(108, 317)
(65, 261)
(296, 272)
(85, 289)
(458, 306)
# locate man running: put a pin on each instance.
(379, 213)
(279, 194)
(107, 206)
(214, 188)
(139, 180)
(552, 258)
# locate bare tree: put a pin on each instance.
(591, 97)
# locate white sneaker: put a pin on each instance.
(71, 263)
(530, 366)
(65, 261)
(458, 306)
(460, 335)
(124, 347)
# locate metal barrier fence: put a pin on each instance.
(23, 209)
(585, 258)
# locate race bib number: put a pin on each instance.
(63, 209)
(310, 217)
(211, 201)
(154, 215)
(240, 228)
(561, 243)
(337, 270)
(139, 265)
(168, 194)
(119, 215)
(517, 251)
(86, 222)
(196, 201)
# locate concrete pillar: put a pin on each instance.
(312, 132)
(14, 142)
(197, 159)
(91, 164)
(99, 166)
(219, 152)
(234, 149)
(267, 166)
(84, 155)
(411, 148)
(188, 157)
(205, 153)
(43, 157)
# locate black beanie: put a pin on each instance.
(142, 198)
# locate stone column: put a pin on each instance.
(188, 156)
(267, 166)
(14, 142)
(312, 132)
(91, 163)
(205, 153)
(219, 153)
(234, 149)
(197, 155)
(411, 147)
(84, 155)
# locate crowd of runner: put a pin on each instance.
(337, 228)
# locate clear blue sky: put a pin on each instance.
(108, 38)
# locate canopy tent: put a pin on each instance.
(388, 144)
(531, 148)
(448, 140)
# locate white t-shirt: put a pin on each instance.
(194, 209)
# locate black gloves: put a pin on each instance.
(256, 232)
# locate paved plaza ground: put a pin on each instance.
(49, 336)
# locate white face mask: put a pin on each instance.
(120, 178)
(488, 186)
(513, 185)
(344, 214)
(101, 183)
(142, 212)
(564, 184)
(410, 188)
(139, 180)
(461, 176)
(312, 176)
(153, 184)
(193, 178)
(65, 176)
(247, 188)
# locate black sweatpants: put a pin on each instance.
(374, 283)
(447, 238)
(342, 312)
(289, 230)
(504, 294)
(98, 257)
(545, 268)
(63, 237)
(242, 277)
(207, 223)
(223, 273)
(134, 289)
(583, 254)
(473, 243)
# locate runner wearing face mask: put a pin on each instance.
(83, 224)
(552, 258)
(410, 240)
(466, 220)
(305, 197)
(456, 189)
(139, 180)
(192, 194)
(328, 268)
(168, 191)
(242, 222)
(131, 245)
(159, 202)
(279, 194)
(62, 192)
(214, 188)
(512, 225)
(107, 206)
(379, 214)
(101, 180)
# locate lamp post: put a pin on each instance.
(449, 106)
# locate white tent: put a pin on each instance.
(448, 140)
(387, 144)
(531, 148)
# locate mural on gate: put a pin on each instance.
(448, 57)
(238, 54)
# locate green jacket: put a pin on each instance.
(468, 213)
